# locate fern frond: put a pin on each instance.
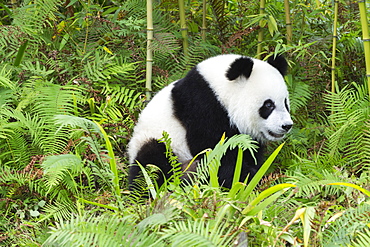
(347, 132)
(69, 121)
(198, 233)
(61, 209)
(299, 94)
(103, 230)
(21, 136)
(36, 68)
(362, 239)
(311, 185)
(346, 228)
(5, 75)
(53, 100)
(31, 17)
(11, 39)
(178, 67)
(129, 98)
(135, 8)
(223, 21)
(58, 167)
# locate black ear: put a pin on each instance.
(279, 63)
(241, 66)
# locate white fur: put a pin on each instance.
(156, 118)
(243, 97)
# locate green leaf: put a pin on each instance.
(238, 166)
(365, 191)
(41, 203)
(20, 53)
(64, 41)
(255, 180)
(71, 3)
(34, 213)
(272, 25)
(250, 209)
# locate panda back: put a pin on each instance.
(157, 117)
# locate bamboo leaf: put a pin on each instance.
(264, 194)
(365, 191)
(20, 53)
(255, 180)
(238, 166)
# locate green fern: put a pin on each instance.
(350, 227)
(103, 230)
(58, 168)
(348, 130)
(316, 183)
(362, 239)
(11, 38)
(31, 17)
(222, 20)
(199, 233)
(299, 93)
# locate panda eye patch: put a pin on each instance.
(266, 109)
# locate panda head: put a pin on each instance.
(253, 93)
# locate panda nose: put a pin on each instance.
(287, 127)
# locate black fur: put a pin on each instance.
(279, 63)
(241, 66)
(151, 152)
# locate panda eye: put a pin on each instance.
(269, 104)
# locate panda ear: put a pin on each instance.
(279, 63)
(241, 66)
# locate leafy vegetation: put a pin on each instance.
(72, 83)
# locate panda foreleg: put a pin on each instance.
(152, 152)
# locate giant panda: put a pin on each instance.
(229, 94)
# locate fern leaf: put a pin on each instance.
(58, 167)
(343, 230)
(104, 230)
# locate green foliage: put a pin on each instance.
(105, 230)
(30, 17)
(348, 131)
(350, 228)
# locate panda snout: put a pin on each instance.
(287, 127)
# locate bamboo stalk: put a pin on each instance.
(204, 27)
(288, 24)
(149, 52)
(334, 46)
(260, 31)
(184, 29)
(365, 38)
